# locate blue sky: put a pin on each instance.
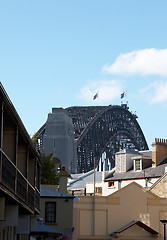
(60, 53)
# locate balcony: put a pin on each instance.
(12, 179)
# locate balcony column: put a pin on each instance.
(37, 179)
(16, 145)
(1, 139)
(16, 153)
(27, 162)
(35, 173)
(35, 182)
(2, 113)
(27, 171)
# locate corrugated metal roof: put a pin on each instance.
(84, 178)
(48, 192)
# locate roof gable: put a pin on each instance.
(130, 188)
(135, 228)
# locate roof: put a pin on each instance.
(145, 153)
(131, 151)
(140, 224)
(16, 119)
(48, 192)
(82, 179)
(75, 176)
(151, 172)
(44, 229)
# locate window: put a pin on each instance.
(111, 184)
(98, 190)
(137, 165)
(50, 212)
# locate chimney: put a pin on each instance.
(63, 175)
(159, 150)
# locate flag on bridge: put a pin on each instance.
(123, 94)
(95, 96)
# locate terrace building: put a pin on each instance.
(19, 174)
(142, 167)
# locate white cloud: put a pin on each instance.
(156, 92)
(145, 62)
(108, 91)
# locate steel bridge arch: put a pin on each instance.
(111, 130)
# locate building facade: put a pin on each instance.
(142, 167)
(56, 209)
(132, 212)
(19, 174)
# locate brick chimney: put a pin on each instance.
(63, 175)
(159, 150)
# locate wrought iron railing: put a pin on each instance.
(37, 200)
(31, 196)
(8, 173)
(21, 188)
(14, 180)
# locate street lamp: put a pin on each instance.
(164, 222)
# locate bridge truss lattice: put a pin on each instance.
(104, 129)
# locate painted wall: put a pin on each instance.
(109, 214)
(64, 212)
(106, 190)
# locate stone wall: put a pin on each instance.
(160, 188)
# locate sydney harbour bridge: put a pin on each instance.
(99, 129)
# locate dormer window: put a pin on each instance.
(137, 165)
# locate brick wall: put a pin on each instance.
(159, 150)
